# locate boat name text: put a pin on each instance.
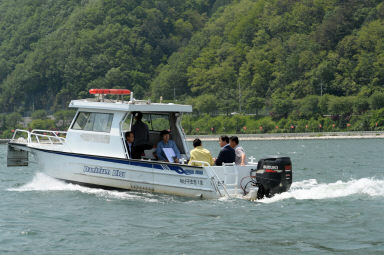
(104, 171)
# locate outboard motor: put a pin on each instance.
(272, 176)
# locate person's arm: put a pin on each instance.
(219, 160)
(211, 161)
(159, 151)
(191, 159)
(242, 159)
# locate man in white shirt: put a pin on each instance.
(241, 158)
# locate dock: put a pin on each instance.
(4, 141)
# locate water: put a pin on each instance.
(335, 206)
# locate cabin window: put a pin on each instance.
(155, 122)
(92, 121)
(159, 122)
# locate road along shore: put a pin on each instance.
(297, 136)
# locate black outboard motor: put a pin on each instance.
(273, 175)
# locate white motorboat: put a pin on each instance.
(93, 152)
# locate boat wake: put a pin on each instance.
(43, 182)
(311, 189)
(301, 190)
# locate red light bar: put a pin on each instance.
(270, 171)
(110, 91)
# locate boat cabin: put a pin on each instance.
(99, 126)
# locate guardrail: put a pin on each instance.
(38, 136)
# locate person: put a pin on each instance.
(227, 153)
(141, 134)
(241, 158)
(200, 154)
(166, 143)
(129, 137)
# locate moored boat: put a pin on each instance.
(93, 152)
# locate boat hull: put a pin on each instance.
(138, 175)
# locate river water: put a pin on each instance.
(335, 206)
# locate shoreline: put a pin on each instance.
(296, 136)
(285, 136)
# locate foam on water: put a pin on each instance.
(43, 182)
(301, 190)
(311, 189)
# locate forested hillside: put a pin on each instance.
(280, 49)
(288, 58)
(54, 51)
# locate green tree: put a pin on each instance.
(12, 120)
(377, 100)
(282, 105)
(309, 106)
(46, 124)
(341, 106)
(39, 114)
(205, 103)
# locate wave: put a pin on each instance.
(43, 182)
(301, 190)
(311, 189)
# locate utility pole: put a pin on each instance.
(321, 89)
(174, 94)
(239, 96)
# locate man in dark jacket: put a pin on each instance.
(227, 153)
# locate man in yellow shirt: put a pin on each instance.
(200, 154)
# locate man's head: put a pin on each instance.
(129, 136)
(233, 141)
(223, 140)
(164, 136)
(196, 142)
(139, 116)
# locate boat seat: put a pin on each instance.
(149, 154)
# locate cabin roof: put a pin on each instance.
(131, 106)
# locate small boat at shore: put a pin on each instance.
(93, 152)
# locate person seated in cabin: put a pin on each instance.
(241, 158)
(227, 153)
(129, 139)
(200, 154)
(141, 134)
(167, 149)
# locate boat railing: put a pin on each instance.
(214, 178)
(50, 136)
(39, 136)
(21, 136)
(231, 172)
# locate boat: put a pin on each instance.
(93, 152)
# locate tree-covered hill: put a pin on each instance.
(280, 54)
(274, 49)
(54, 51)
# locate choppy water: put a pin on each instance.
(335, 206)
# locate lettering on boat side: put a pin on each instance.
(191, 181)
(199, 172)
(104, 171)
(181, 170)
